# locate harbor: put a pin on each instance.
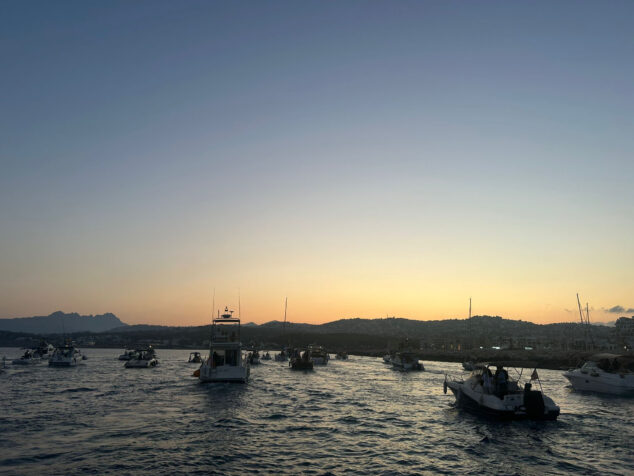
(351, 416)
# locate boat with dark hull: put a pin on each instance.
(505, 399)
(301, 361)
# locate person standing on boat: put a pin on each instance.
(487, 381)
(501, 378)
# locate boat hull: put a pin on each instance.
(299, 364)
(224, 373)
(141, 364)
(25, 361)
(63, 363)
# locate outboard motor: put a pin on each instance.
(534, 403)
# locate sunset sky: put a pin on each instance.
(363, 158)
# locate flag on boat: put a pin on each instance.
(534, 375)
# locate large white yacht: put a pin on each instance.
(66, 355)
(502, 397)
(225, 362)
(604, 373)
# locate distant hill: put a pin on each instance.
(60, 322)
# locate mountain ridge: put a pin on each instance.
(59, 322)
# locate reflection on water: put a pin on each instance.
(354, 417)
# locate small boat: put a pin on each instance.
(301, 362)
(127, 354)
(195, 358)
(266, 356)
(65, 356)
(254, 358)
(44, 350)
(604, 373)
(502, 396)
(341, 356)
(406, 361)
(318, 354)
(387, 358)
(470, 366)
(28, 358)
(142, 359)
(281, 357)
(226, 362)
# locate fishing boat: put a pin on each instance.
(225, 363)
(301, 361)
(66, 355)
(318, 355)
(195, 358)
(127, 354)
(405, 361)
(28, 358)
(142, 359)
(341, 356)
(501, 395)
(604, 373)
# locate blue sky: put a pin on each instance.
(363, 157)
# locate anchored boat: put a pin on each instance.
(142, 359)
(502, 396)
(406, 361)
(301, 361)
(127, 354)
(318, 354)
(604, 373)
(29, 357)
(66, 356)
(225, 362)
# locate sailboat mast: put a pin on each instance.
(285, 307)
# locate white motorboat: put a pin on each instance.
(406, 361)
(28, 358)
(127, 354)
(318, 354)
(142, 359)
(604, 373)
(502, 396)
(65, 356)
(225, 363)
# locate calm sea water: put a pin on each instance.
(350, 417)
